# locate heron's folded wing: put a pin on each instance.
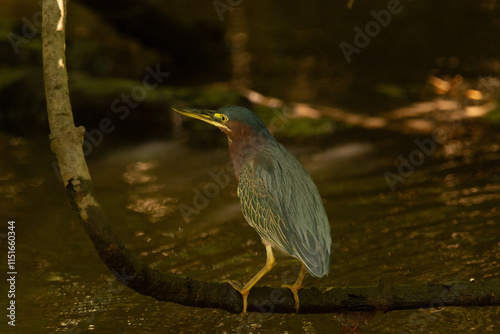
(261, 210)
(280, 200)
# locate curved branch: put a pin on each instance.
(66, 143)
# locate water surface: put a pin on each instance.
(439, 225)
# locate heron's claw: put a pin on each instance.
(295, 290)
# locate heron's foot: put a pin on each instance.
(244, 293)
(295, 290)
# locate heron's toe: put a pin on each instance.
(236, 285)
(295, 290)
(244, 293)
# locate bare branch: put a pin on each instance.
(66, 140)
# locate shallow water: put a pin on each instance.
(440, 224)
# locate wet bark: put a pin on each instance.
(129, 269)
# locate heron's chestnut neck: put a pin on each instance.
(245, 143)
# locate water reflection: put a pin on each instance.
(147, 198)
(154, 207)
(440, 224)
(140, 172)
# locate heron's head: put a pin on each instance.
(238, 123)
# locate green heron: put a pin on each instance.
(278, 197)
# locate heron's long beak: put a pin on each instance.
(201, 114)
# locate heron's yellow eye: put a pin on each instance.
(222, 117)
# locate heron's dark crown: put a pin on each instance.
(243, 115)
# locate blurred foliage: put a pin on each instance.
(494, 115)
(293, 55)
(309, 127)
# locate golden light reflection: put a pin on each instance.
(455, 100)
(11, 190)
(139, 172)
(472, 196)
(374, 123)
(303, 110)
(258, 98)
(155, 207)
(474, 94)
(481, 110)
(6, 176)
(441, 86)
(146, 198)
(453, 148)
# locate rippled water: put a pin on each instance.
(440, 224)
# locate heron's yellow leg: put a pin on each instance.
(297, 286)
(245, 290)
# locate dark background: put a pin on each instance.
(284, 49)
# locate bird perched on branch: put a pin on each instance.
(278, 197)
